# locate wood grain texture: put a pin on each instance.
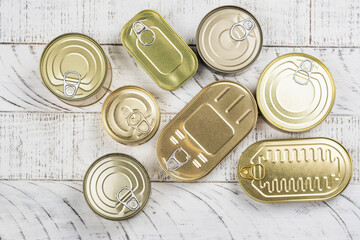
(62, 146)
(58, 210)
(22, 89)
(40, 21)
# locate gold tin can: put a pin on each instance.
(196, 140)
(295, 92)
(229, 39)
(116, 186)
(131, 115)
(294, 170)
(75, 69)
(159, 50)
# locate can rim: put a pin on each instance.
(198, 33)
(261, 79)
(107, 64)
(147, 177)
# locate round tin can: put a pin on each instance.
(131, 115)
(229, 39)
(295, 92)
(116, 186)
(75, 69)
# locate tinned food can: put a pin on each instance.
(229, 39)
(293, 170)
(131, 115)
(116, 186)
(295, 92)
(196, 140)
(75, 68)
(159, 50)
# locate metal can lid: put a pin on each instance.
(116, 186)
(131, 115)
(229, 39)
(73, 67)
(295, 92)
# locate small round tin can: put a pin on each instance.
(131, 115)
(295, 92)
(116, 186)
(229, 39)
(75, 68)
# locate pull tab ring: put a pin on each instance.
(140, 122)
(74, 87)
(142, 29)
(132, 200)
(247, 24)
(173, 163)
(301, 68)
(247, 172)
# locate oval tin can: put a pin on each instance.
(294, 170)
(295, 92)
(116, 186)
(229, 39)
(196, 140)
(75, 68)
(159, 50)
(131, 115)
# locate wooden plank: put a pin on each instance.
(58, 210)
(63, 145)
(40, 21)
(21, 87)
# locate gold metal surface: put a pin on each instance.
(295, 92)
(83, 64)
(292, 170)
(131, 115)
(229, 39)
(116, 186)
(159, 50)
(206, 130)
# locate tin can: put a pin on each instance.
(196, 140)
(131, 115)
(75, 69)
(229, 39)
(116, 186)
(293, 170)
(295, 92)
(159, 50)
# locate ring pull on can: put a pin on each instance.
(248, 26)
(306, 67)
(133, 203)
(68, 86)
(173, 163)
(139, 28)
(250, 171)
(140, 123)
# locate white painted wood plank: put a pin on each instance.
(63, 145)
(21, 87)
(58, 210)
(283, 22)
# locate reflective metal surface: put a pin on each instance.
(289, 170)
(159, 50)
(206, 130)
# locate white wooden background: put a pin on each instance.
(46, 146)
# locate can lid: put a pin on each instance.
(116, 186)
(131, 115)
(295, 92)
(73, 66)
(229, 39)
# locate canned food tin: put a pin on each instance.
(206, 130)
(75, 68)
(159, 50)
(116, 186)
(295, 92)
(131, 115)
(293, 170)
(229, 39)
